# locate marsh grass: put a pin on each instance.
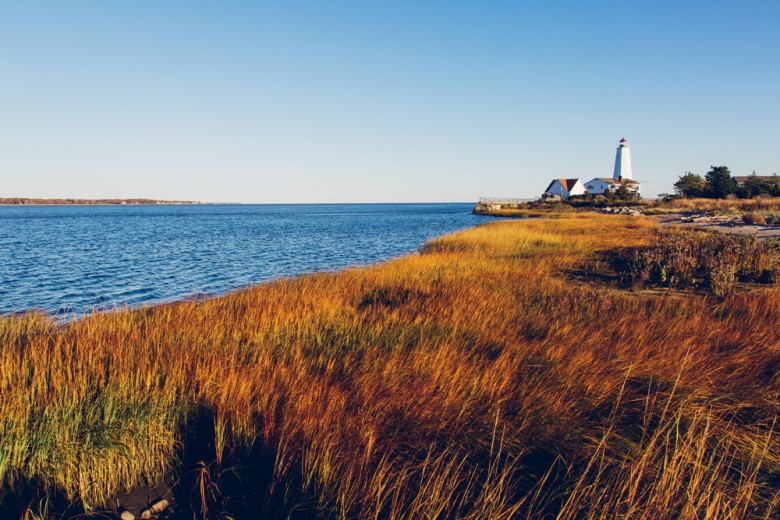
(757, 205)
(473, 380)
(520, 212)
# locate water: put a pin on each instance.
(75, 258)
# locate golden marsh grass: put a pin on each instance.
(474, 380)
(732, 205)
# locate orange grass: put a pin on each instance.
(474, 380)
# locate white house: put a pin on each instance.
(600, 185)
(565, 188)
(742, 180)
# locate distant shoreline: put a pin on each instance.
(20, 201)
(144, 202)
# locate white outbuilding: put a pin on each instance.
(600, 185)
(565, 188)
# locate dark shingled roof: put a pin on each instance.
(612, 180)
(743, 179)
(569, 183)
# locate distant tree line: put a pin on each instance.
(718, 183)
(19, 201)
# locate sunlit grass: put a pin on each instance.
(474, 380)
(759, 204)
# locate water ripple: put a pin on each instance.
(85, 257)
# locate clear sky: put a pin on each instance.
(373, 101)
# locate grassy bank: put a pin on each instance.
(479, 379)
(760, 210)
(720, 205)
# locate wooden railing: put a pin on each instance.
(500, 200)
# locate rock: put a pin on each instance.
(156, 508)
(481, 207)
(621, 210)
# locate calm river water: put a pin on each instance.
(74, 258)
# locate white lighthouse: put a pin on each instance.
(622, 179)
(623, 162)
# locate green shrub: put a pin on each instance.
(696, 259)
(754, 218)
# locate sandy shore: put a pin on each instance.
(732, 228)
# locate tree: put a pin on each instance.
(623, 193)
(775, 181)
(689, 185)
(754, 186)
(719, 182)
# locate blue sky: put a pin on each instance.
(379, 101)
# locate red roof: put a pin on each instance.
(567, 184)
(623, 140)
